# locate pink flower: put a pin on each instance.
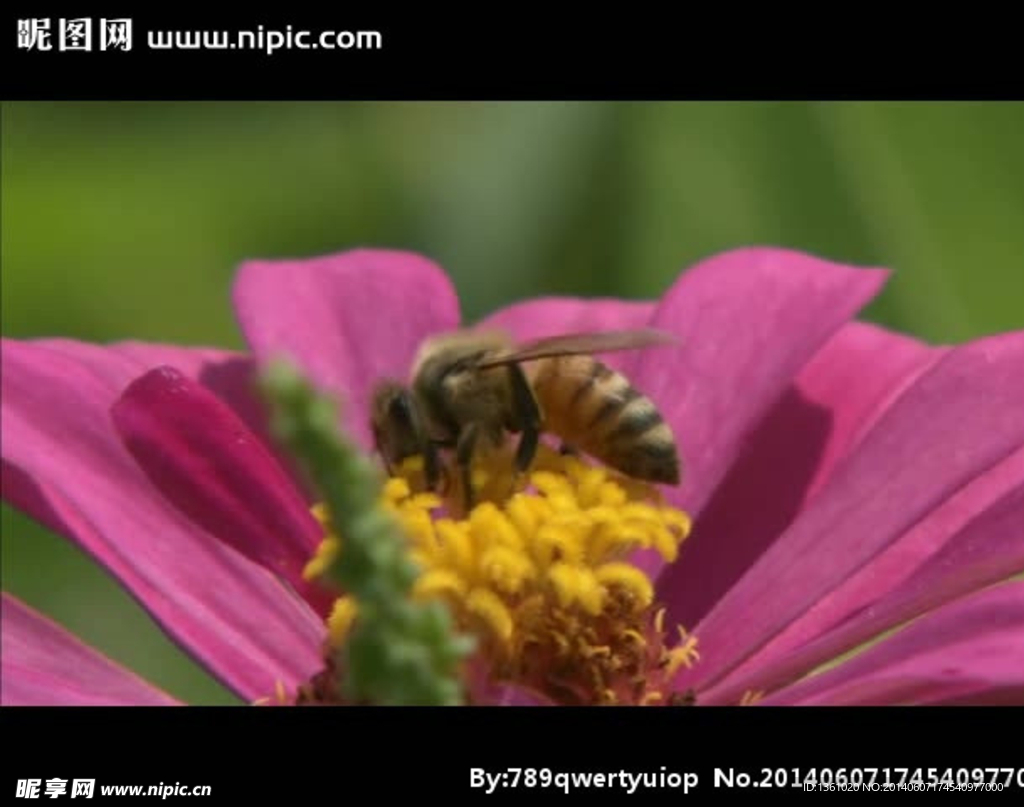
(842, 480)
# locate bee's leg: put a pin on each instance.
(385, 460)
(431, 465)
(437, 472)
(528, 417)
(464, 449)
(380, 449)
(567, 450)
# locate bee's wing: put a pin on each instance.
(573, 343)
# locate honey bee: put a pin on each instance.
(471, 389)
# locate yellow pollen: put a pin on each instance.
(328, 550)
(326, 554)
(750, 698)
(279, 698)
(682, 655)
(659, 621)
(439, 582)
(627, 578)
(540, 572)
(634, 636)
(340, 621)
(396, 488)
(319, 512)
(489, 607)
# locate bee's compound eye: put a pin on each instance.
(400, 411)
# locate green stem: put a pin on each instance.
(399, 651)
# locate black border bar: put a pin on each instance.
(507, 52)
(340, 753)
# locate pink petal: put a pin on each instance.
(204, 460)
(856, 377)
(44, 665)
(956, 422)
(916, 555)
(987, 550)
(345, 319)
(547, 316)
(482, 690)
(65, 467)
(965, 651)
(508, 695)
(229, 375)
(836, 397)
(517, 696)
(748, 320)
(992, 695)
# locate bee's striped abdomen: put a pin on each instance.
(640, 443)
(598, 411)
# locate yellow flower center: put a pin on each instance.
(539, 573)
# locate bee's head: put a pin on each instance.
(395, 425)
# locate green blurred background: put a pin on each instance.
(127, 220)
